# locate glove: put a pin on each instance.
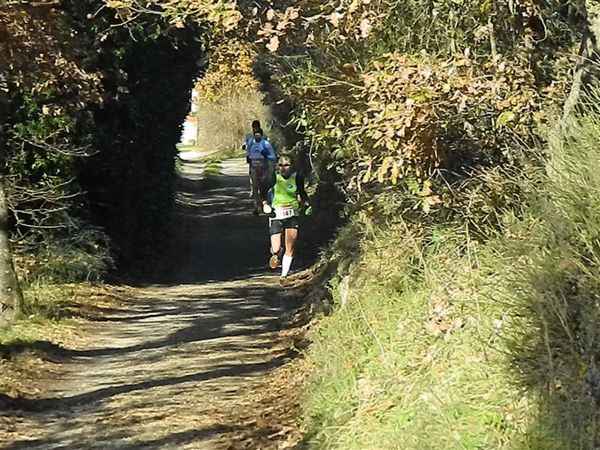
(308, 211)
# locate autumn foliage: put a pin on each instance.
(230, 70)
(430, 91)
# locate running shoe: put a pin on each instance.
(286, 281)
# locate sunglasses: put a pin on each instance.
(284, 165)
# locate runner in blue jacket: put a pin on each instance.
(259, 154)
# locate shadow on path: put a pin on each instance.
(45, 404)
(219, 239)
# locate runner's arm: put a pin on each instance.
(269, 153)
(270, 184)
(302, 191)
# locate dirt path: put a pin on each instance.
(181, 366)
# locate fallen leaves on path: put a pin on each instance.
(256, 412)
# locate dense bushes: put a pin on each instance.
(49, 86)
(130, 179)
(96, 107)
(425, 93)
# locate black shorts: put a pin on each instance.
(277, 226)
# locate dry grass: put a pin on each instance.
(224, 124)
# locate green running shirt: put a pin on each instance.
(285, 192)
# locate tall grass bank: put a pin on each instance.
(439, 340)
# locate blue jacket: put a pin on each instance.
(260, 150)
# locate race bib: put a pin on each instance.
(284, 213)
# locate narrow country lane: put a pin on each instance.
(179, 366)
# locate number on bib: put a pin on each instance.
(284, 213)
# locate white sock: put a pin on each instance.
(286, 263)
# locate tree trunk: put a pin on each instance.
(11, 298)
(587, 72)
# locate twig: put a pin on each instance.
(334, 80)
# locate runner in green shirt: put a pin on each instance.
(289, 200)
